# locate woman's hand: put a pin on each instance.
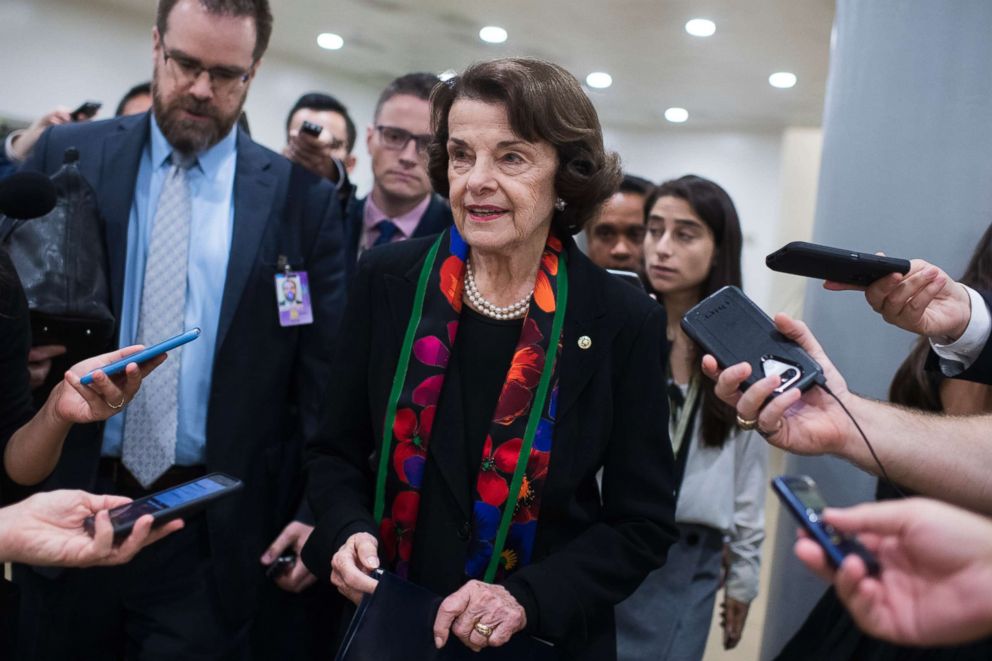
(72, 402)
(351, 565)
(480, 615)
(733, 614)
(803, 423)
(48, 529)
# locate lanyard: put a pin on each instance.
(686, 414)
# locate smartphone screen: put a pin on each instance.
(802, 498)
(172, 503)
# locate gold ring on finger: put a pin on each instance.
(766, 433)
(746, 425)
(485, 630)
(118, 406)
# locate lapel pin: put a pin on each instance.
(585, 342)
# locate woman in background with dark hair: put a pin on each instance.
(693, 248)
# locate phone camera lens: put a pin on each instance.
(789, 374)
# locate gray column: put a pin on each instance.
(906, 169)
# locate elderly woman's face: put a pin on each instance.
(501, 186)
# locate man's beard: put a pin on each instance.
(192, 136)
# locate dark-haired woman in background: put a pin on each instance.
(693, 248)
(489, 375)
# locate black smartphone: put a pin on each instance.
(85, 111)
(281, 565)
(629, 277)
(728, 325)
(177, 502)
(836, 264)
(801, 497)
(311, 129)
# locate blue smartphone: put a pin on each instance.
(801, 497)
(144, 355)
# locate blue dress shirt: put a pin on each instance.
(211, 183)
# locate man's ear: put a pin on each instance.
(349, 163)
(369, 132)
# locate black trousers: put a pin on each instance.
(161, 605)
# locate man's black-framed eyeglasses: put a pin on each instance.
(187, 70)
(397, 138)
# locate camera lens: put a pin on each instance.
(789, 374)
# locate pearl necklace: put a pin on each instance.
(513, 311)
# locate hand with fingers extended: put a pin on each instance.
(803, 423)
(48, 529)
(352, 565)
(935, 587)
(35, 448)
(925, 301)
(72, 402)
(480, 615)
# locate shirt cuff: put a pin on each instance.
(958, 356)
(8, 147)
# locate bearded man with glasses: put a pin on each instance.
(401, 204)
(200, 225)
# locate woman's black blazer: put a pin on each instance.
(594, 545)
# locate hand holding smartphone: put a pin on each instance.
(730, 327)
(179, 501)
(85, 111)
(144, 355)
(800, 496)
(834, 264)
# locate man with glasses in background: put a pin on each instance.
(202, 225)
(401, 204)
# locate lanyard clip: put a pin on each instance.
(282, 264)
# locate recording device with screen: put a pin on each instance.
(801, 497)
(728, 325)
(85, 111)
(144, 355)
(311, 129)
(835, 264)
(179, 501)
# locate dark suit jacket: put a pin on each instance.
(591, 550)
(268, 380)
(436, 219)
(981, 370)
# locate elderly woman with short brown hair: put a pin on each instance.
(484, 378)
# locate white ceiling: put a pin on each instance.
(721, 80)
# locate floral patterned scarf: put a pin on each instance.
(517, 451)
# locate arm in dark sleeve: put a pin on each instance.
(325, 272)
(340, 479)
(979, 371)
(568, 590)
(15, 342)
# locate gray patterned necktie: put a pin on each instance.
(149, 447)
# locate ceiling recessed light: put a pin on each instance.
(782, 80)
(700, 27)
(676, 115)
(330, 41)
(599, 79)
(492, 34)
(445, 76)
